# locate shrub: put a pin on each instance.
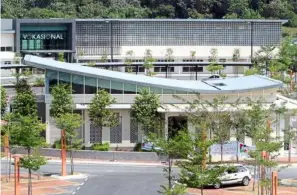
(137, 147)
(57, 144)
(100, 147)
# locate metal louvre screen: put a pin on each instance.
(116, 132)
(95, 133)
(95, 37)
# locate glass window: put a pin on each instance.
(180, 92)
(38, 44)
(168, 91)
(51, 80)
(129, 88)
(77, 84)
(116, 87)
(31, 44)
(2, 48)
(104, 84)
(90, 85)
(64, 78)
(24, 44)
(8, 48)
(156, 90)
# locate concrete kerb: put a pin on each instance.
(289, 182)
(109, 163)
(70, 177)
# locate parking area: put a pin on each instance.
(40, 186)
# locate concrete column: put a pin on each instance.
(105, 134)
(125, 127)
(47, 122)
(166, 126)
(86, 127)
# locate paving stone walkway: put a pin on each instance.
(40, 186)
(241, 190)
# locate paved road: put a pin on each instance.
(125, 179)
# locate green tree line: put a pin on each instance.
(231, 9)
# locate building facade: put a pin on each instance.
(172, 42)
(85, 81)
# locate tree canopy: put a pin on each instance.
(229, 9)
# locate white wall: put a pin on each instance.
(7, 39)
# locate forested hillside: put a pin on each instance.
(248, 9)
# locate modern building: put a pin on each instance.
(85, 81)
(182, 47)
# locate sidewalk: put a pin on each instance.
(42, 185)
(241, 190)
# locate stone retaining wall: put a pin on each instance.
(100, 155)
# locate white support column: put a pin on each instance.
(87, 127)
(105, 134)
(125, 127)
(47, 122)
(166, 125)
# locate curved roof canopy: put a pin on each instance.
(229, 85)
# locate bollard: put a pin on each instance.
(6, 145)
(17, 175)
(274, 180)
(264, 156)
(63, 153)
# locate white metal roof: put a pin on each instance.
(240, 84)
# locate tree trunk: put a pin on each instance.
(71, 161)
(203, 137)
(169, 172)
(201, 190)
(221, 152)
(30, 182)
(255, 171)
(30, 176)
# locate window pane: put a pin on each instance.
(51, 80)
(116, 87)
(104, 84)
(77, 84)
(156, 90)
(129, 88)
(168, 91)
(64, 78)
(38, 44)
(31, 44)
(90, 85)
(180, 92)
(24, 44)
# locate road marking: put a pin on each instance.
(86, 179)
(77, 188)
(73, 192)
(82, 183)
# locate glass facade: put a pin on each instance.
(89, 85)
(94, 37)
(43, 37)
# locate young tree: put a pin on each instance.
(61, 57)
(62, 111)
(128, 60)
(99, 113)
(104, 56)
(28, 135)
(193, 55)
(239, 122)
(169, 55)
(70, 122)
(3, 101)
(62, 102)
(259, 129)
(213, 67)
(144, 111)
(194, 172)
(178, 146)
(24, 103)
(148, 63)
